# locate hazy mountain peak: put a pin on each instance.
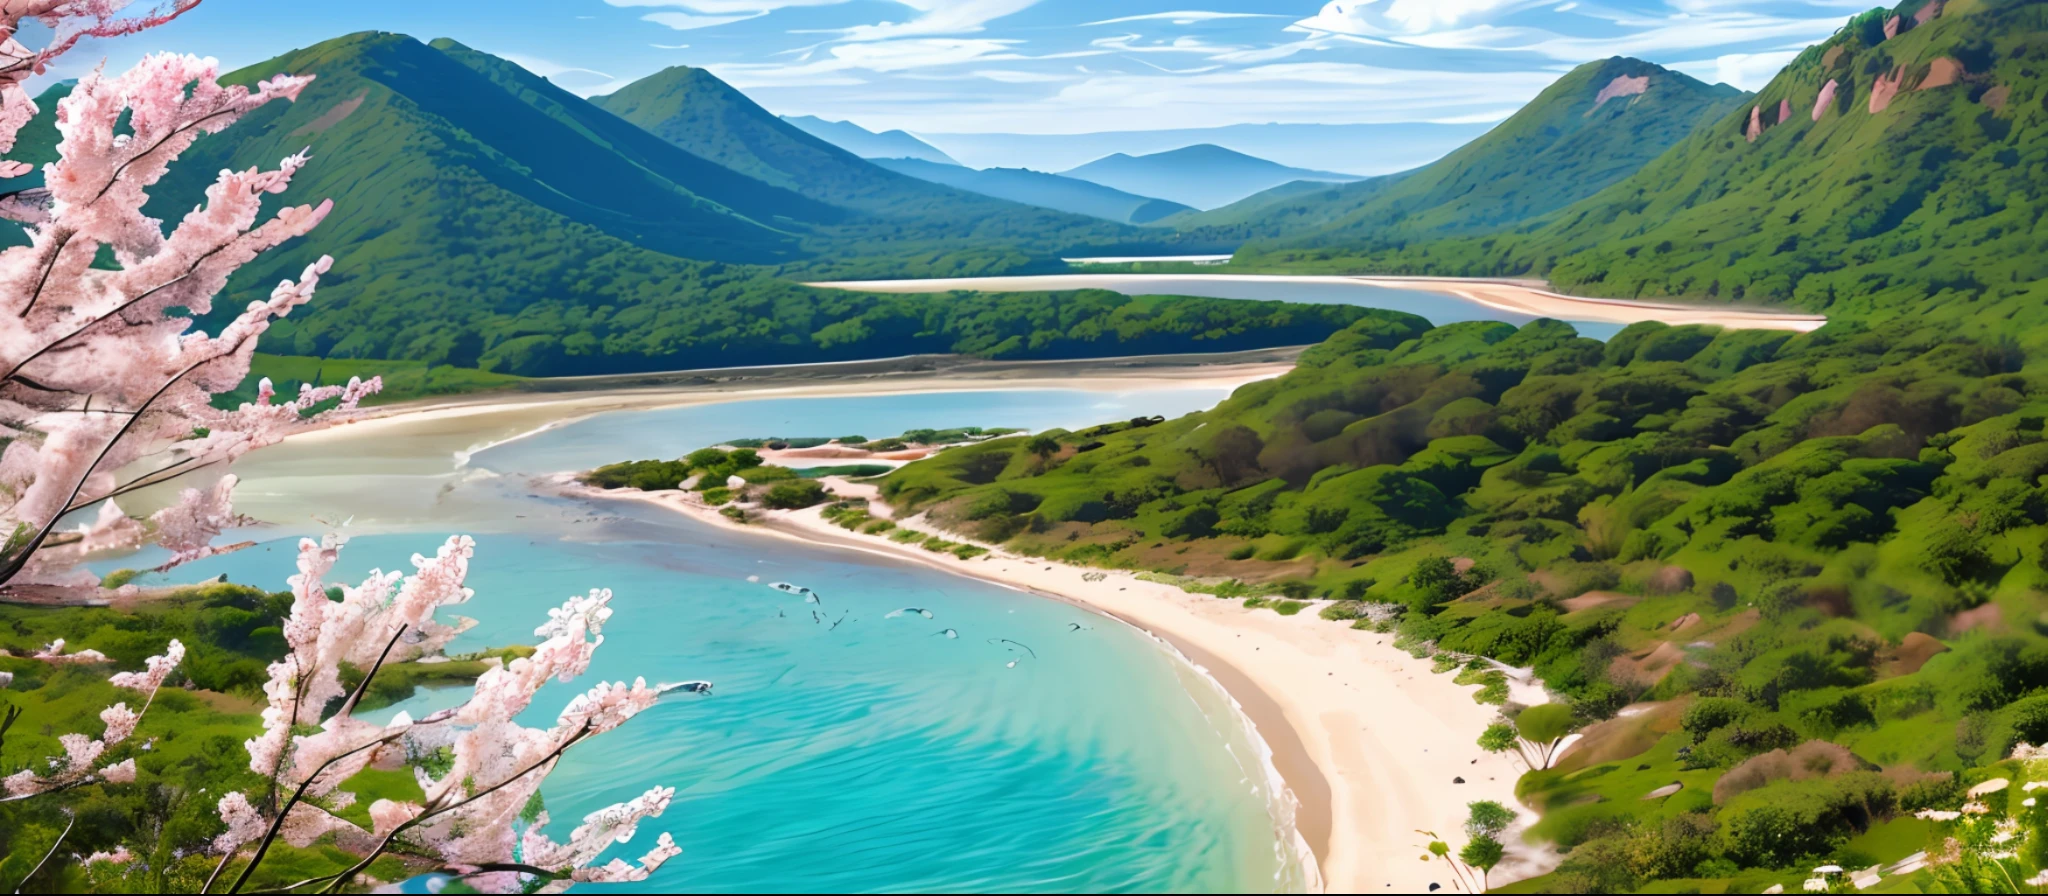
(868, 144)
(1203, 175)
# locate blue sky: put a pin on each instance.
(1060, 66)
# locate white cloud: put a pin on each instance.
(1748, 71)
(1008, 76)
(1186, 17)
(547, 68)
(935, 17)
(682, 21)
(749, 8)
(1383, 18)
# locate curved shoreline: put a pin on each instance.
(1353, 751)
(1501, 295)
(1349, 722)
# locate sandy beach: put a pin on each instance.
(1373, 744)
(1520, 297)
(1370, 742)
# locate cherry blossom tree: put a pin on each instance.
(469, 822)
(105, 387)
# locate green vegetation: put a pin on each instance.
(850, 471)
(489, 221)
(194, 727)
(1564, 146)
(1814, 551)
(710, 471)
(1927, 207)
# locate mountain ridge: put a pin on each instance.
(860, 141)
(1042, 189)
(1594, 126)
(1201, 176)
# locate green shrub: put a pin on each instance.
(793, 494)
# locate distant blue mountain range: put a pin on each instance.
(1204, 176)
(1038, 188)
(867, 144)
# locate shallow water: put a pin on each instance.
(875, 755)
(1438, 308)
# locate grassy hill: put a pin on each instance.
(1815, 558)
(1595, 126)
(1038, 188)
(1923, 202)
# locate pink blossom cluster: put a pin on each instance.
(104, 388)
(81, 763)
(53, 652)
(469, 817)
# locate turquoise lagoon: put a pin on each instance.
(852, 752)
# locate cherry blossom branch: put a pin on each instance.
(277, 824)
(342, 879)
(13, 565)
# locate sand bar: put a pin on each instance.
(1514, 296)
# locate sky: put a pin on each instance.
(1058, 66)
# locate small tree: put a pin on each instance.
(1534, 734)
(1042, 446)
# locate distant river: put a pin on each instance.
(1437, 307)
(878, 755)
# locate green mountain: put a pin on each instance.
(1038, 188)
(694, 110)
(1914, 189)
(1595, 126)
(485, 218)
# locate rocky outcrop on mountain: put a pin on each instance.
(1942, 73)
(1620, 87)
(1756, 123)
(1884, 89)
(1891, 27)
(1928, 13)
(1784, 111)
(1827, 98)
(1994, 99)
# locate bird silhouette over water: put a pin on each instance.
(686, 687)
(895, 614)
(950, 634)
(1078, 627)
(1027, 647)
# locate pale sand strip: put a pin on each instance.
(1504, 295)
(510, 413)
(1368, 739)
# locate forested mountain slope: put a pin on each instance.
(1594, 127)
(1898, 167)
